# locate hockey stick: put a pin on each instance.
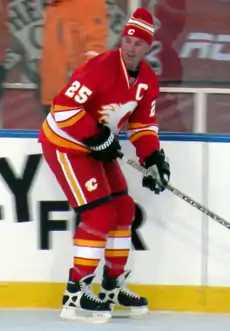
(178, 193)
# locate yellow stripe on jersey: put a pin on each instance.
(74, 119)
(137, 125)
(59, 141)
(58, 108)
(142, 133)
(71, 179)
(89, 243)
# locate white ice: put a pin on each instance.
(48, 320)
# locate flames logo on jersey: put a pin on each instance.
(115, 115)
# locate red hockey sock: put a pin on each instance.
(117, 251)
(90, 239)
(119, 239)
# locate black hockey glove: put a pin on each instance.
(105, 146)
(162, 168)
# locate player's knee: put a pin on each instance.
(125, 208)
(100, 219)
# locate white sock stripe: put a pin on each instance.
(118, 243)
(143, 25)
(88, 252)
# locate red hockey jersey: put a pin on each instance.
(101, 91)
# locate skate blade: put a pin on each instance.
(133, 312)
(81, 315)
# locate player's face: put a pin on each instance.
(133, 50)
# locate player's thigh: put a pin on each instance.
(83, 179)
(122, 201)
(116, 178)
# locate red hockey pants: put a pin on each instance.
(98, 192)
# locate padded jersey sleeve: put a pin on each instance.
(142, 125)
(68, 108)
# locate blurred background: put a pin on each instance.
(43, 41)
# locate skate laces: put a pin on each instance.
(129, 293)
(89, 294)
(123, 287)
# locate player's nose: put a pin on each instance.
(131, 49)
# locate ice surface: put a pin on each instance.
(48, 320)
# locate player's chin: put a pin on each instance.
(130, 63)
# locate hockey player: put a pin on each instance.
(80, 144)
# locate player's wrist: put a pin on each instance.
(102, 140)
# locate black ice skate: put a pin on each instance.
(79, 303)
(114, 292)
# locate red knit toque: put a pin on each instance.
(140, 25)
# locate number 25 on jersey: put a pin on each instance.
(77, 92)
